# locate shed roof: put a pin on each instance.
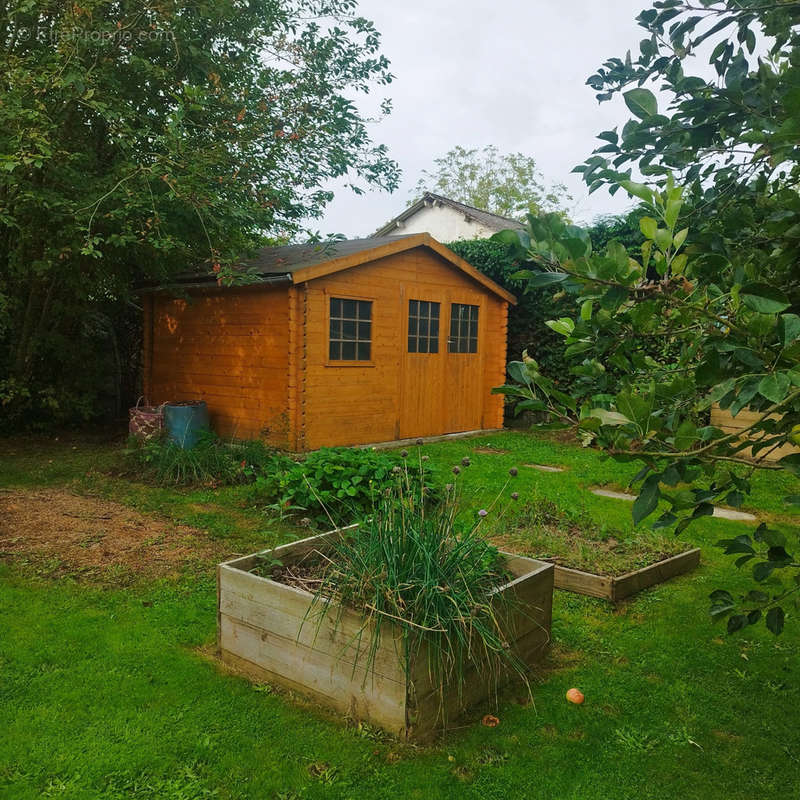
(298, 263)
(494, 222)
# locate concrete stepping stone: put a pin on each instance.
(544, 468)
(721, 513)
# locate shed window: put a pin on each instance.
(351, 330)
(463, 328)
(423, 326)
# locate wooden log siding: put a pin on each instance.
(228, 347)
(730, 424)
(259, 355)
(354, 404)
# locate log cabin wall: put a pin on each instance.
(397, 394)
(730, 424)
(229, 347)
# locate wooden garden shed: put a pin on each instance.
(344, 343)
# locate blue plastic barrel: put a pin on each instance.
(185, 422)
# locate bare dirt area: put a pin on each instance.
(61, 533)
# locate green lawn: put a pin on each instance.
(108, 692)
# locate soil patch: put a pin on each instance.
(490, 451)
(89, 537)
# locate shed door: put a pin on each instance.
(464, 345)
(442, 379)
(424, 343)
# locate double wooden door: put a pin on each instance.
(441, 378)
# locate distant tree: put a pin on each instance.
(508, 184)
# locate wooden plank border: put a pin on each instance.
(622, 586)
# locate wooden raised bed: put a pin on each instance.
(622, 586)
(261, 631)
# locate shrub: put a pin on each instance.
(210, 462)
(338, 485)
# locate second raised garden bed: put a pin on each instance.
(619, 587)
(265, 630)
(589, 558)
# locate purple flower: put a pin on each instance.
(420, 442)
(513, 472)
(514, 496)
(456, 470)
(396, 469)
(483, 513)
(404, 454)
(426, 458)
(448, 487)
(465, 461)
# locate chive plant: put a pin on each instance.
(426, 570)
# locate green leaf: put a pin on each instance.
(685, 436)
(565, 326)
(647, 501)
(775, 620)
(763, 298)
(539, 279)
(680, 237)
(763, 570)
(788, 328)
(775, 387)
(641, 102)
(648, 227)
(638, 190)
(736, 622)
(609, 417)
(673, 210)
(703, 510)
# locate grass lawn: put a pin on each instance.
(107, 690)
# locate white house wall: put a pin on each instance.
(444, 224)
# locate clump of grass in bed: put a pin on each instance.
(430, 573)
(540, 529)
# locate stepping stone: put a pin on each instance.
(544, 468)
(614, 495)
(731, 513)
(721, 513)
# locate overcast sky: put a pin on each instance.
(506, 72)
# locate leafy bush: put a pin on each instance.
(338, 485)
(527, 321)
(210, 462)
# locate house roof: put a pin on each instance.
(298, 263)
(495, 222)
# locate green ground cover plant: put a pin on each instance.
(338, 485)
(108, 693)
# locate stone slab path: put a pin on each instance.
(722, 513)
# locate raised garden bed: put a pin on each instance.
(618, 587)
(265, 629)
(590, 559)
